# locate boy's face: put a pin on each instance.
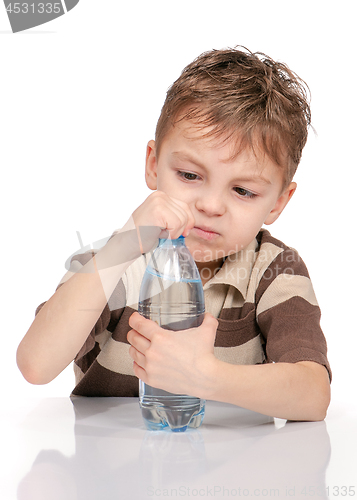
(230, 199)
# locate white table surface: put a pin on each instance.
(99, 448)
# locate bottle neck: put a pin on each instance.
(180, 241)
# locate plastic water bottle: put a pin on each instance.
(172, 295)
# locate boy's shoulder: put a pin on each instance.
(272, 251)
(254, 268)
(280, 269)
(264, 238)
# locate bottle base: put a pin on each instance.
(161, 418)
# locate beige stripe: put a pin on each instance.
(102, 338)
(249, 353)
(236, 269)
(214, 299)
(268, 252)
(132, 280)
(115, 357)
(218, 298)
(233, 299)
(284, 287)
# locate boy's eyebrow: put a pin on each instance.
(255, 178)
(186, 157)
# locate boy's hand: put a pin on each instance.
(179, 362)
(170, 214)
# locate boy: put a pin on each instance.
(227, 144)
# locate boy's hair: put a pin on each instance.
(246, 97)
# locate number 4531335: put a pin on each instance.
(40, 8)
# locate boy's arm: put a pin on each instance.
(293, 391)
(64, 322)
(185, 363)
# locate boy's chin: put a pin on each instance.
(204, 255)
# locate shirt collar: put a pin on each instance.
(236, 269)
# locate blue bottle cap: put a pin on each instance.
(167, 241)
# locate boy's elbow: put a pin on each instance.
(320, 402)
(34, 377)
(30, 370)
(324, 398)
(317, 391)
(320, 412)
(324, 404)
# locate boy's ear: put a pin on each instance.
(281, 203)
(151, 166)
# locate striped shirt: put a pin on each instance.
(262, 297)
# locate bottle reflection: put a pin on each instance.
(168, 460)
(235, 453)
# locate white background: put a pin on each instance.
(79, 99)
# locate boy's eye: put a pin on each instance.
(188, 176)
(244, 193)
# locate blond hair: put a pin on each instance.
(245, 96)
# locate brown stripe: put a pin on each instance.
(84, 362)
(293, 329)
(99, 381)
(38, 309)
(264, 236)
(236, 313)
(236, 326)
(122, 327)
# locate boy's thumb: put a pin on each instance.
(210, 320)
(209, 325)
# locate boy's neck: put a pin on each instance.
(209, 269)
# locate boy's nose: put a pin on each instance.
(211, 205)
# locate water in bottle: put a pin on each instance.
(171, 294)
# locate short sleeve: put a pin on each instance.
(288, 314)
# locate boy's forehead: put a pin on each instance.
(186, 138)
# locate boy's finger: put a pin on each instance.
(146, 327)
(137, 356)
(137, 340)
(139, 372)
(189, 221)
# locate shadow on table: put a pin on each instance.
(235, 453)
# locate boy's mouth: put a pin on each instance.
(205, 233)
